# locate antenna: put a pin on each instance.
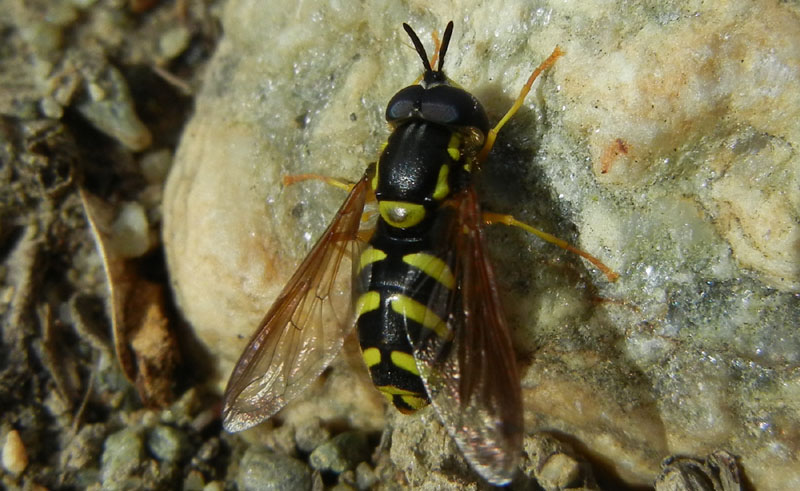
(419, 47)
(448, 31)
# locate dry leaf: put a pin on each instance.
(146, 348)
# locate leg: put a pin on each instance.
(490, 218)
(518, 103)
(289, 180)
(363, 234)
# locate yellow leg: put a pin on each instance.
(490, 218)
(490, 138)
(289, 180)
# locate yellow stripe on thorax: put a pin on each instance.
(433, 267)
(408, 307)
(454, 146)
(442, 184)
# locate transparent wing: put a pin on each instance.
(471, 374)
(305, 328)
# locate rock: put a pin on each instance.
(84, 449)
(555, 465)
(663, 141)
(365, 476)
(123, 458)
(130, 231)
(311, 435)
(266, 471)
(168, 443)
(15, 457)
(340, 453)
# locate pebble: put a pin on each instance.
(365, 476)
(340, 453)
(155, 165)
(194, 481)
(83, 451)
(311, 435)
(167, 443)
(110, 109)
(261, 470)
(174, 41)
(214, 486)
(15, 458)
(559, 471)
(122, 456)
(51, 108)
(130, 231)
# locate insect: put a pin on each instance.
(424, 303)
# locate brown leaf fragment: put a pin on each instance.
(154, 345)
(146, 348)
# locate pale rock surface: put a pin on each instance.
(664, 141)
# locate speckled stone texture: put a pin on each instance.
(664, 141)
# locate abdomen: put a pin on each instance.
(392, 307)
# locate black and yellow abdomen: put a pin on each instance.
(390, 311)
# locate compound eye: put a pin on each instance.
(405, 104)
(440, 111)
(448, 105)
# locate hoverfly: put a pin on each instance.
(425, 303)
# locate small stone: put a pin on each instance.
(130, 231)
(122, 456)
(174, 41)
(554, 464)
(194, 481)
(109, 108)
(167, 443)
(83, 450)
(214, 486)
(340, 453)
(182, 411)
(280, 440)
(559, 471)
(155, 165)
(262, 470)
(96, 92)
(51, 108)
(208, 450)
(365, 476)
(15, 458)
(311, 435)
(148, 418)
